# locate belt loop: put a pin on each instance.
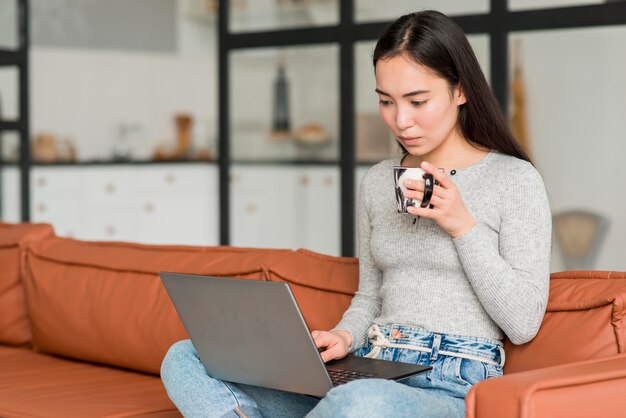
(435, 349)
(502, 356)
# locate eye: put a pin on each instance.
(418, 103)
(384, 102)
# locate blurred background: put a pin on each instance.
(251, 122)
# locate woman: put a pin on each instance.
(442, 285)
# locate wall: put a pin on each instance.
(576, 111)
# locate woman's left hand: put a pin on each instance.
(448, 210)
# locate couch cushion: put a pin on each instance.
(14, 324)
(104, 302)
(318, 280)
(584, 320)
(39, 385)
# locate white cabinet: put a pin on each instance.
(285, 207)
(162, 204)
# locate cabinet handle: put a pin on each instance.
(41, 208)
(170, 178)
(110, 230)
(304, 180)
(109, 188)
(329, 181)
(251, 208)
(234, 178)
(148, 207)
(41, 181)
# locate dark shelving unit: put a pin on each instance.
(18, 59)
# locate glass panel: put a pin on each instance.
(374, 141)
(573, 114)
(261, 15)
(286, 207)
(9, 177)
(375, 10)
(9, 146)
(546, 4)
(108, 95)
(291, 114)
(9, 96)
(8, 25)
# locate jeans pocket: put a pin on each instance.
(464, 371)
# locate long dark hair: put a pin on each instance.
(433, 40)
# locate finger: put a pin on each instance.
(331, 353)
(414, 184)
(418, 195)
(323, 339)
(426, 212)
(439, 175)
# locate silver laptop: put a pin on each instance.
(252, 332)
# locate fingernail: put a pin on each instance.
(425, 164)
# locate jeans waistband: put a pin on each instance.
(413, 338)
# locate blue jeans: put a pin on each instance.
(457, 363)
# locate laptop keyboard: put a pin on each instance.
(339, 377)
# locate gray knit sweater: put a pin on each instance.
(493, 279)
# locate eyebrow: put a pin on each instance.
(411, 93)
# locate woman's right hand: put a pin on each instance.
(336, 343)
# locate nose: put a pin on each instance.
(404, 118)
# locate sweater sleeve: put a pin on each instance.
(509, 269)
(365, 305)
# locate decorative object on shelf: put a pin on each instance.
(312, 134)
(66, 149)
(45, 148)
(184, 124)
(374, 141)
(122, 150)
(281, 124)
(579, 234)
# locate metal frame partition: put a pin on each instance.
(498, 23)
(19, 59)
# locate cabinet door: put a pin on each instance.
(178, 205)
(319, 209)
(264, 207)
(57, 199)
(108, 203)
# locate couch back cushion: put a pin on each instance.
(104, 302)
(323, 285)
(585, 319)
(14, 323)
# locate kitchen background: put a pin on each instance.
(123, 110)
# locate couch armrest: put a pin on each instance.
(592, 388)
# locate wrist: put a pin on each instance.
(464, 230)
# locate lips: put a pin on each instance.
(409, 140)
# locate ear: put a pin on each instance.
(459, 96)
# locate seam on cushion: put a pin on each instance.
(169, 248)
(564, 307)
(325, 257)
(9, 246)
(141, 413)
(588, 275)
(146, 272)
(325, 289)
(616, 320)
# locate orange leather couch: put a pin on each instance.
(84, 326)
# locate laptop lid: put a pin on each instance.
(249, 331)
